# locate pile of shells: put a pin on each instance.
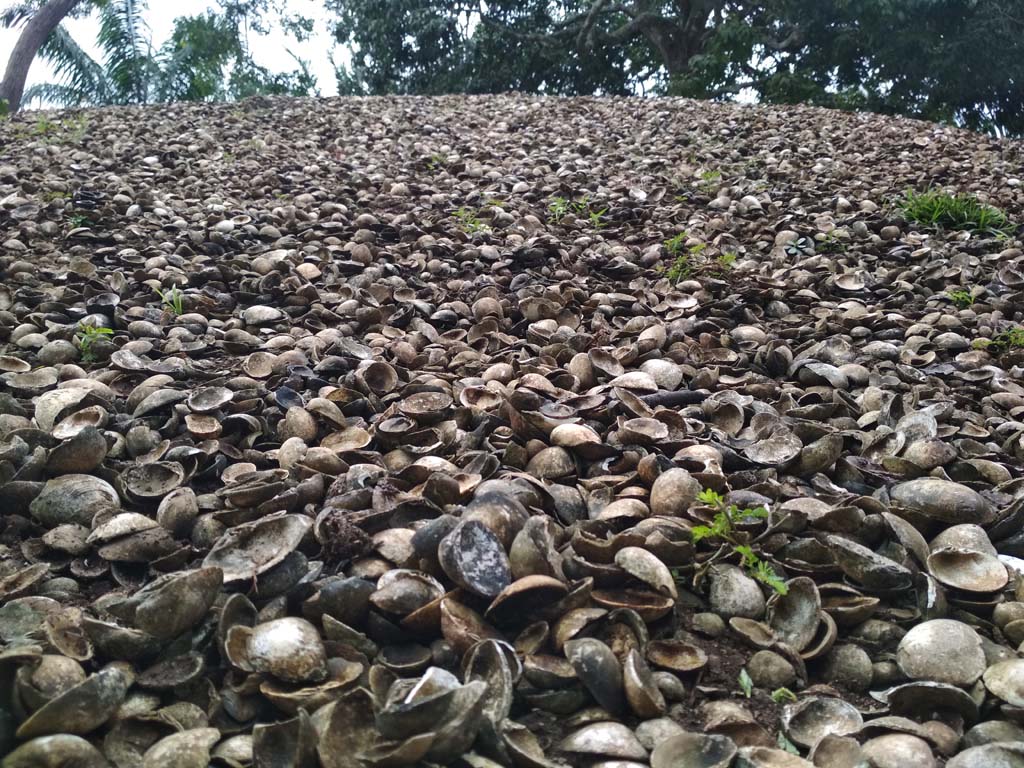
(394, 432)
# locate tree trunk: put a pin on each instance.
(38, 28)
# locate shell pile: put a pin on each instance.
(506, 431)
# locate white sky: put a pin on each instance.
(270, 51)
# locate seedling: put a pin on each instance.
(962, 299)
(86, 336)
(44, 126)
(173, 300)
(709, 180)
(723, 528)
(746, 684)
(597, 218)
(802, 246)
(78, 220)
(726, 260)
(1012, 338)
(558, 207)
(780, 695)
(435, 161)
(831, 244)
(786, 744)
(469, 221)
(941, 210)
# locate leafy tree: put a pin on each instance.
(206, 57)
(952, 60)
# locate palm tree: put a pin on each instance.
(203, 53)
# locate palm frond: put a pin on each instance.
(77, 72)
(124, 38)
(18, 14)
(53, 94)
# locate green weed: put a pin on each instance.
(780, 695)
(963, 299)
(709, 180)
(469, 220)
(746, 684)
(723, 528)
(1012, 338)
(77, 220)
(173, 300)
(86, 336)
(802, 246)
(941, 210)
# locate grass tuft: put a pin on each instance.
(934, 208)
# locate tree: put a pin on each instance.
(951, 60)
(40, 25)
(206, 58)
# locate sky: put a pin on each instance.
(270, 51)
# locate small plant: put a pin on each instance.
(675, 244)
(709, 180)
(780, 695)
(469, 221)
(86, 336)
(681, 268)
(44, 126)
(726, 260)
(786, 744)
(723, 528)
(963, 299)
(802, 246)
(77, 220)
(435, 161)
(228, 157)
(173, 300)
(51, 195)
(934, 208)
(1013, 338)
(597, 218)
(76, 127)
(831, 244)
(746, 684)
(558, 208)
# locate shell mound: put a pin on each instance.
(508, 431)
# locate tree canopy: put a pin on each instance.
(951, 60)
(948, 60)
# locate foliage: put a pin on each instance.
(802, 246)
(465, 46)
(780, 695)
(746, 684)
(78, 220)
(560, 207)
(685, 261)
(206, 57)
(840, 54)
(1012, 338)
(468, 220)
(86, 336)
(723, 528)
(172, 300)
(963, 299)
(934, 208)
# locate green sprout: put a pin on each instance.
(597, 218)
(558, 208)
(831, 244)
(963, 299)
(802, 246)
(86, 336)
(746, 684)
(469, 221)
(709, 180)
(685, 258)
(786, 744)
(727, 260)
(435, 161)
(78, 220)
(780, 695)
(173, 300)
(1012, 338)
(941, 210)
(723, 528)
